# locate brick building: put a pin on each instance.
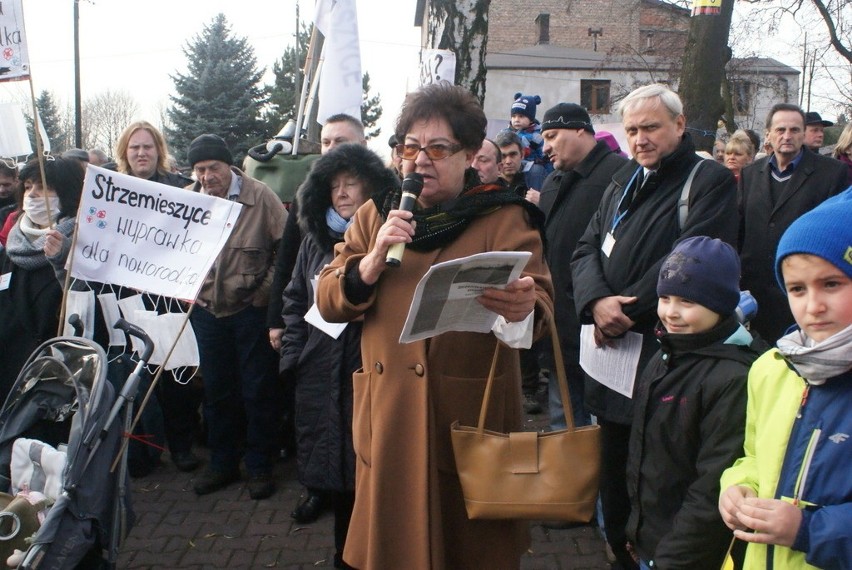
(594, 52)
(608, 26)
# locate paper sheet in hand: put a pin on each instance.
(313, 317)
(445, 298)
(613, 366)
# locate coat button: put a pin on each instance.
(419, 370)
(379, 367)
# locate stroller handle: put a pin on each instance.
(133, 330)
(76, 323)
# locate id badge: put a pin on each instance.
(5, 281)
(608, 244)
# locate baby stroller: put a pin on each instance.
(62, 395)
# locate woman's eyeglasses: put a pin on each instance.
(435, 151)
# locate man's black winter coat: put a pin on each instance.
(643, 239)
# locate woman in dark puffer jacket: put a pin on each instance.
(321, 365)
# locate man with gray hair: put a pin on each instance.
(97, 157)
(617, 262)
(238, 367)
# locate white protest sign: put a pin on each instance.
(14, 58)
(437, 65)
(14, 139)
(148, 236)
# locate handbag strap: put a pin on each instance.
(564, 393)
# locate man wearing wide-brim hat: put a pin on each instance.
(815, 130)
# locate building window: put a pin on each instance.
(594, 95)
(741, 93)
(543, 22)
(649, 42)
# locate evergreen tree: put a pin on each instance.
(371, 109)
(283, 93)
(52, 123)
(219, 94)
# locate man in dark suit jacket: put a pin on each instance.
(617, 262)
(773, 192)
(569, 197)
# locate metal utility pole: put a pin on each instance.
(78, 109)
(297, 69)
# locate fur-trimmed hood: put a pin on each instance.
(314, 195)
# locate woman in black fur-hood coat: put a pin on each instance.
(320, 365)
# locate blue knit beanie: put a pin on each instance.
(704, 270)
(825, 231)
(525, 105)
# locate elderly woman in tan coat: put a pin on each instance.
(409, 509)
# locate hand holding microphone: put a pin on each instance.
(411, 188)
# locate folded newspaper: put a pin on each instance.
(445, 298)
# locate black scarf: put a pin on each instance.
(442, 224)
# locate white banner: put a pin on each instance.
(437, 65)
(148, 236)
(14, 139)
(14, 58)
(340, 87)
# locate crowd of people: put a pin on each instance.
(730, 439)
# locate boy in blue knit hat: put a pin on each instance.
(689, 414)
(523, 123)
(790, 495)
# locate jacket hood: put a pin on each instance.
(726, 340)
(314, 195)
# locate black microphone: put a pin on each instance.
(411, 188)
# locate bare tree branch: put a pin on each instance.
(105, 116)
(832, 29)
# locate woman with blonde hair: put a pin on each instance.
(739, 152)
(843, 151)
(141, 151)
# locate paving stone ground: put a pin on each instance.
(177, 529)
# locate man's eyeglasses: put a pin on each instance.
(435, 151)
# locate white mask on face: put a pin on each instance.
(37, 212)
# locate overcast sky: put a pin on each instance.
(135, 46)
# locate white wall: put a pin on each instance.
(563, 86)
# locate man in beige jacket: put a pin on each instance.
(239, 368)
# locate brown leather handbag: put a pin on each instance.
(529, 475)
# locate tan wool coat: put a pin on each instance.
(409, 509)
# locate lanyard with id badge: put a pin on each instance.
(609, 240)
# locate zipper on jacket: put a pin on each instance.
(806, 466)
(770, 549)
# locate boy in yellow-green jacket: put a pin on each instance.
(790, 495)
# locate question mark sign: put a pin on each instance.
(439, 59)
